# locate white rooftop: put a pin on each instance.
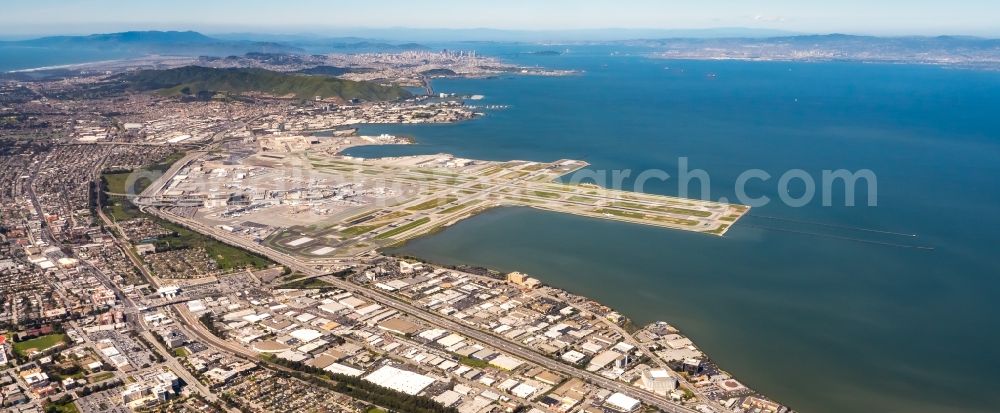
(658, 373)
(433, 334)
(338, 368)
(506, 362)
(621, 402)
(400, 380)
(305, 335)
(451, 340)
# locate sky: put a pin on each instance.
(879, 17)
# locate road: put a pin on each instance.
(126, 249)
(500, 343)
(296, 264)
(131, 309)
(503, 344)
(179, 369)
(645, 350)
(195, 327)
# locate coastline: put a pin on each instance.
(974, 66)
(68, 66)
(624, 320)
(776, 301)
(615, 317)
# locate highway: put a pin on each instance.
(503, 344)
(500, 343)
(131, 309)
(181, 372)
(468, 192)
(630, 339)
(195, 327)
(297, 264)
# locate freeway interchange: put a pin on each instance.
(421, 194)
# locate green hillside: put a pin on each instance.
(192, 80)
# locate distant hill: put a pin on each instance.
(438, 72)
(134, 37)
(914, 43)
(322, 44)
(186, 43)
(193, 80)
(963, 51)
(427, 35)
(845, 42)
(366, 46)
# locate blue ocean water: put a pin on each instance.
(14, 57)
(815, 308)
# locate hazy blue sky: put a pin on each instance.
(980, 17)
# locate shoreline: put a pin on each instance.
(616, 319)
(67, 66)
(974, 66)
(626, 322)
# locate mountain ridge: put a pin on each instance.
(157, 42)
(194, 80)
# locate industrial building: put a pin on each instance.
(400, 380)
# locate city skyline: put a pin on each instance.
(479, 207)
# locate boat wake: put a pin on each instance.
(888, 243)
